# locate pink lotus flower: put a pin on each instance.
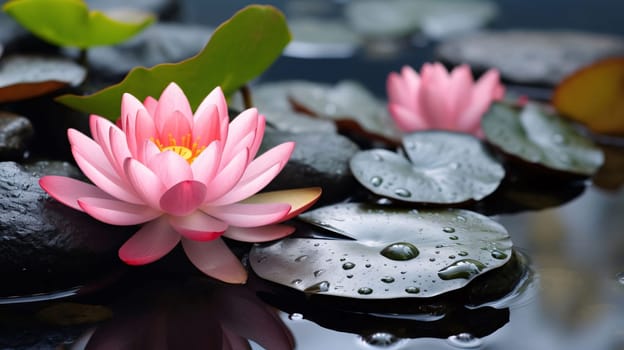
(439, 100)
(189, 178)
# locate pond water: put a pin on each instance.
(570, 296)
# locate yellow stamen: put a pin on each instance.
(187, 148)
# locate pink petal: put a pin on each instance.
(259, 135)
(130, 106)
(241, 133)
(141, 128)
(411, 82)
(183, 198)
(198, 226)
(250, 215)
(432, 98)
(175, 129)
(258, 234)
(145, 183)
(67, 190)
(91, 150)
(215, 259)
(260, 172)
(276, 155)
(171, 100)
(217, 99)
(227, 178)
(486, 90)
(153, 241)
(406, 119)
(150, 104)
(205, 166)
(170, 168)
(119, 150)
(115, 212)
(207, 126)
(245, 189)
(299, 199)
(459, 94)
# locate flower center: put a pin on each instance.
(186, 147)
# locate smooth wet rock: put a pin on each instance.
(44, 245)
(15, 134)
(320, 159)
(530, 57)
(160, 43)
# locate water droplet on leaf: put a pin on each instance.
(400, 251)
(318, 287)
(464, 341)
(448, 229)
(380, 339)
(348, 265)
(387, 279)
(402, 192)
(412, 290)
(465, 268)
(365, 291)
(376, 181)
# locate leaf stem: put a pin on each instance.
(246, 94)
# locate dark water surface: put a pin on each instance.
(572, 298)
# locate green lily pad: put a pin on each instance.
(440, 167)
(395, 253)
(23, 77)
(239, 50)
(350, 105)
(71, 23)
(542, 139)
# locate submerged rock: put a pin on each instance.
(533, 57)
(320, 159)
(46, 246)
(15, 134)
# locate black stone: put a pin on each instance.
(15, 134)
(46, 246)
(320, 159)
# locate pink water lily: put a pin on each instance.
(188, 177)
(436, 99)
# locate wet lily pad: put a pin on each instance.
(23, 77)
(71, 23)
(272, 100)
(542, 139)
(317, 38)
(350, 105)
(255, 31)
(440, 167)
(395, 253)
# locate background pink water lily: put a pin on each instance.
(188, 177)
(437, 99)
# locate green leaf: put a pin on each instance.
(392, 253)
(238, 51)
(435, 167)
(541, 139)
(70, 23)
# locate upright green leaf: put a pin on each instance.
(239, 50)
(70, 23)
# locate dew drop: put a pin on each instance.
(462, 253)
(301, 258)
(318, 287)
(318, 272)
(497, 254)
(451, 256)
(448, 229)
(377, 157)
(453, 238)
(432, 259)
(296, 281)
(295, 316)
(387, 279)
(460, 218)
(400, 251)
(376, 181)
(402, 192)
(465, 268)
(348, 265)
(380, 339)
(367, 265)
(412, 290)
(464, 341)
(365, 291)
(349, 276)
